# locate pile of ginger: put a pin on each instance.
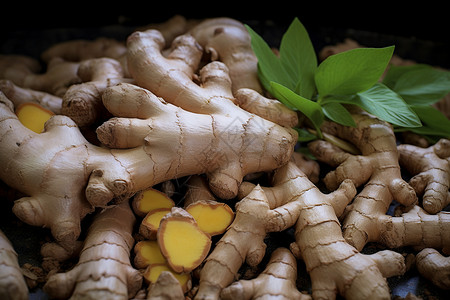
(121, 122)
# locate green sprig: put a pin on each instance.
(352, 77)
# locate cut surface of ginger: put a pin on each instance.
(147, 253)
(185, 243)
(150, 199)
(211, 219)
(33, 116)
(181, 241)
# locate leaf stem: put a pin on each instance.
(344, 145)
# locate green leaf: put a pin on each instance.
(298, 58)
(312, 110)
(304, 135)
(388, 106)
(435, 122)
(269, 66)
(352, 71)
(338, 113)
(394, 73)
(423, 86)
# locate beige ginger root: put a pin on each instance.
(435, 267)
(225, 159)
(166, 287)
(278, 280)
(62, 183)
(22, 95)
(104, 270)
(99, 174)
(79, 50)
(430, 168)
(416, 228)
(212, 106)
(12, 282)
(242, 242)
(83, 102)
(377, 168)
(335, 266)
(257, 214)
(228, 41)
(58, 77)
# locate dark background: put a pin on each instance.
(424, 19)
(419, 31)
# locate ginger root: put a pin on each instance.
(20, 96)
(166, 287)
(335, 266)
(104, 270)
(430, 168)
(12, 282)
(256, 216)
(154, 271)
(377, 168)
(23, 71)
(435, 267)
(228, 41)
(83, 102)
(277, 280)
(416, 228)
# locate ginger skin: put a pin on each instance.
(228, 41)
(22, 95)
(104, 270)
(377, 168)
(212, 106)
(430, 168)
(277, 280)
(100, 174)
(167, 287)
(435, 267)
(416, 228)
(79, 50)
(255, 217)
(12, 282)
(59, 75)
(83, 102)
(335, 266)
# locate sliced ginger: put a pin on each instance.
(150, 199)
(150, 224)
(33, 116)
(153, 271)
(182, 242)
(212, 217)
(147, 253)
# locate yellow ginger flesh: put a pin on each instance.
(33, 116)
